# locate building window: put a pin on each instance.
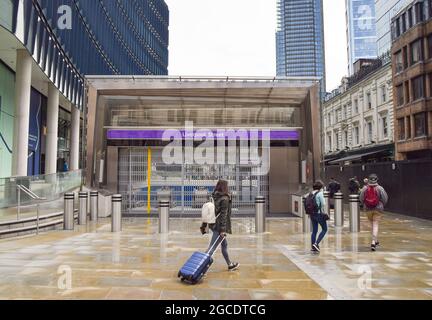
(369, 127)
(400, 95)
(410, 17)
(337, 141)
(356, 135)
(419, 12)
(418, 88)
(356, 106)
(408, 126)
(401, 126)
(383, 94)
(329, 141)
(399, 62)
(403, 24)
(346, 138)
(420, 125)
(345, 112)
(416, 51)
(368, 100)
(429, 40)
(384, 127)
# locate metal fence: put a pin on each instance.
(187, 186)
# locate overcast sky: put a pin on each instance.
(237, 38)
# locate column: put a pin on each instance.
(430, 123)
(22, 113)
(52, 130)
(75, 128)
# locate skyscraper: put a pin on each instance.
(361, 31)
(300, 39)
(385, 11)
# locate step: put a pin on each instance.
(52, 222)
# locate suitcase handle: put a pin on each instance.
(216, 243)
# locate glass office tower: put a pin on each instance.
(385, 11)
(361, 31)
(300, 39)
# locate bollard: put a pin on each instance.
(354, 213)
(164, 206)
(82, 214)
(94, 205)
(260, 214)
(339, 213)
(327, 202)
(68, 214)
(116, 215)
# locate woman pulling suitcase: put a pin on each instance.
(222, 227)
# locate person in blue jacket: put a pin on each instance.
(319, 218)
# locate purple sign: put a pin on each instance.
(127, 134)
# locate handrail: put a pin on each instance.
(32, 195)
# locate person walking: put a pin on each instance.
(315, 207)
(222, 227)
(333, 188)
(354, 186)
(374, 198)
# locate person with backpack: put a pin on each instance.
(222, 225)
(315, 206)
(333, 188)
(354, 186)
(374, 198)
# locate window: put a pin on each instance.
(345, 112)
(399, 66)
(356, 106)
(418, 88)
(356, 135)
(416, 51)
(401, 126)
(337, 141)
(370, 132)
(329, 141)
(419, 12)
(420, 125)
(408, 127)
(329, 119)
(429, 40)
(410, 18)
(383, 94)
(384, 127)
(368, 100)
(403, 24)
(346, 138)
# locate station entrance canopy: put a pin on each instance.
(128, 115)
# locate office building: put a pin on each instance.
(361, 31)
(300, 39)
(46, 49)
(412, 80)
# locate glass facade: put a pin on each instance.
(385, 11)
(300, 39)
(361, 31)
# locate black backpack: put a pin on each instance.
(310, 204)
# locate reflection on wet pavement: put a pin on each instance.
(140, 264)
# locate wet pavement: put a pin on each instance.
(93, 263)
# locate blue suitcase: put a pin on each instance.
(197, 265)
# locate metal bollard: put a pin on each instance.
(82, 214)
(260, 219)
(354, 213)
(94, 205)
(116, 216)
(339, 213)
(164, 206)
(327, 202)
(68, 214)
